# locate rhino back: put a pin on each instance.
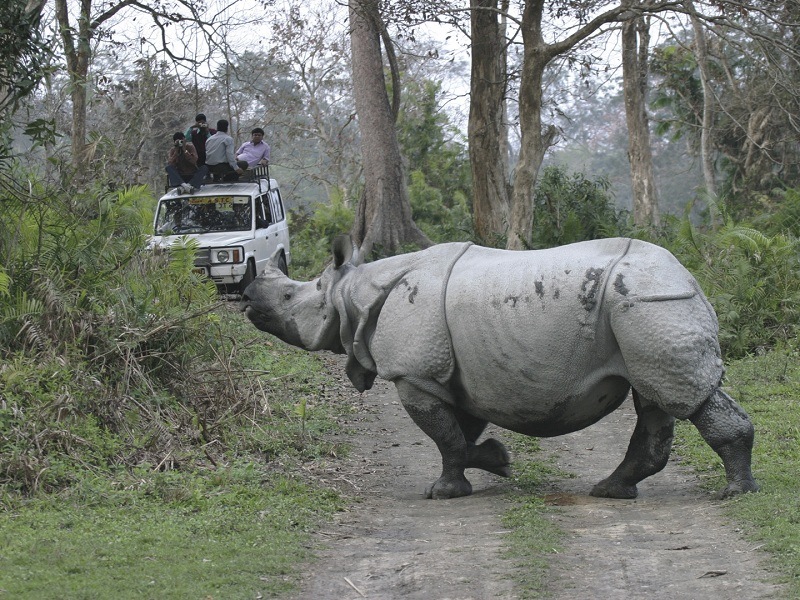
(531, 331)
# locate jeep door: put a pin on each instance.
(271, 227)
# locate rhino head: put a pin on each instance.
(300, 313)
(310, 315)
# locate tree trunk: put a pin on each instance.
(635, 43)
(78, 54)
(534, 140)
(383, 220)
(488, 134)
(706, 134)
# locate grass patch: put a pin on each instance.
(234, 533)
(533, 538)
(200, 493)
(768, 388)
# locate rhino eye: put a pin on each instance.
(287, 296)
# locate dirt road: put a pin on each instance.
(671, 543)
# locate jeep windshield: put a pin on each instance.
(203, 214)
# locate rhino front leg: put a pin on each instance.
(648, 451)
(726, 427)
(439, 422)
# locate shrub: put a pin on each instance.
(571, 208)
(313, 232)
(439, 222)
(752, 279)
(102, 341)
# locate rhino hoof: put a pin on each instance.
(737, 487)
(443, 489)
(610, 489)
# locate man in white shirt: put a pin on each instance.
(220, 158)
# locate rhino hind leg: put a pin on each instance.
(490, 455)
(440, 423)
(726, 427)
(647, 454)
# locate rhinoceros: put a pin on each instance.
(541, 342)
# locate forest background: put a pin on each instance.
(518, 125)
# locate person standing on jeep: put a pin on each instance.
(256, 151)
(197, 134)
(220, 158)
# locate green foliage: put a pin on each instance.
(748, 142)
(678, 96)
(440, 189)
(5, 282)
(752, 279)
(100, 338)
(25, 54)
(441, 223)
(768, 388)
(313, 232)
(431, 143)
(780, 214)
(571, 208)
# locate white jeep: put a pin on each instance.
(238, 225)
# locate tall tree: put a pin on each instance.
(487, 128)
(81, 32)
(383, 219)
(706, 128)
(635, 56)
(321, 129)
(735, 97)
(537, 55)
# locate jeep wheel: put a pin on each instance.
(249, 276)
(282, 265)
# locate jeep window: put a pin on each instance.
(203, 214)
(277, 207)
(262, 212)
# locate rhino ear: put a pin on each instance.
(342, 250)
(274, 260)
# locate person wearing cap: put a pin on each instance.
(220, 157)
(182, 169)
(197, 134)
(256, 151)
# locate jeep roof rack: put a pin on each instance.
(255, 175)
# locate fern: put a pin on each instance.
(5, 283)
(751, 277)
(18, 315)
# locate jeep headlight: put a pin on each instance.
(227, 255)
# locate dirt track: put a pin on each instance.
(671, 543)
